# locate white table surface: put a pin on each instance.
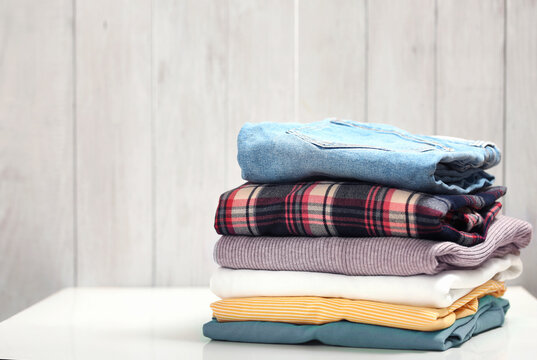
(165, 323)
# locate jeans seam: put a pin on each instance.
(329, 144)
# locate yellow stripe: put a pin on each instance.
(324, 310)
(327, 316)
(318, 310)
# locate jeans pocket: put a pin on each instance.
(346, 134)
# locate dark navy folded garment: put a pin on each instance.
(490, 314)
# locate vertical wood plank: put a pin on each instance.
(114, 142)
(331, 51)
(401, 64)
(36, 143)
(470, 71)
(261, 69)
(190, 107)
(521, 126)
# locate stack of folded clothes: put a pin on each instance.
(362, 235)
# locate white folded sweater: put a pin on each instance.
(439, 290)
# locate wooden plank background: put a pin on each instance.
(400, 88)
(520, 155)
(118, 119)
(195, 90)
(36, 151)
(113, 142)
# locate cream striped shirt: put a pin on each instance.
(319, 310)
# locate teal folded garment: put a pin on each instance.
(490, 314)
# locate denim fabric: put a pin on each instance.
(377, 153)
(490, 314)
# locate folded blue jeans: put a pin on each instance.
(377, 153)
(490, 314)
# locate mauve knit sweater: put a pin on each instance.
(369, 255)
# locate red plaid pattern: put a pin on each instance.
(327, 208)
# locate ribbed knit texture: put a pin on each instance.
(369, 255)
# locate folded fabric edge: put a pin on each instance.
(491, 314)
(447, 287)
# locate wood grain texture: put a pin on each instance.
(401, 64)
(261, 70)
(331, 59)
(470, 77)
(36, 142)
(190, 107)
(521, 128)
(113, 71)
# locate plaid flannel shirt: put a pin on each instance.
(328, 208)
